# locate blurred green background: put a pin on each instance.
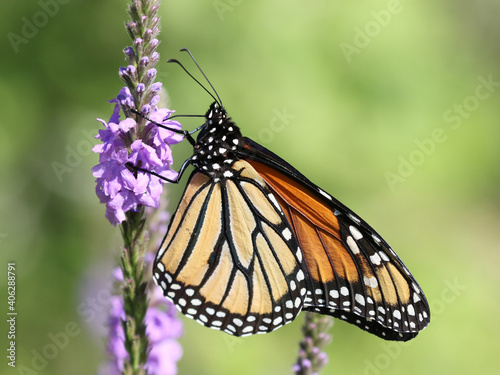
(392, 106)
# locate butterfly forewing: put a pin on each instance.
(229, 259)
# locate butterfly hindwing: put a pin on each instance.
(351, 272)
(229, 259)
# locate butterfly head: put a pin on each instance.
(216, 144)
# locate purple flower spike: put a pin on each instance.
(143, 325)
(120, 187)
(311, 357)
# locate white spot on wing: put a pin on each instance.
(370, 281)
(325, 194)
(210, 311)
(411, 310)
(300, 275)
(357, 220)
(375, 258)
(384, 256)
(238, 322)
(299, 254)
(352, 245)
(297, 302)
(355, 232)
(360, 299)
(272, 198)
(287, 234)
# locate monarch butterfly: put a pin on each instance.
(253, 242)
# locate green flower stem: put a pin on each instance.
(143, 30)
(135, 300)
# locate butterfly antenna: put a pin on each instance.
(174, 116)
(199, 68)
(198, 82)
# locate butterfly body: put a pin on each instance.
(214, 151)
(253, 242)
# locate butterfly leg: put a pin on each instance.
(185, 133)
(176, 181)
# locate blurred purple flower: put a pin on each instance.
(162, 327)
(119, 186)
(311, 358)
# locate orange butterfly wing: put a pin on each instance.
(352, 273)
